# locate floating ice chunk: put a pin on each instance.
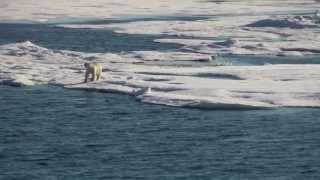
(190, 101)
(290, 53)
(23, 49)
(297, 22)
(142, 91)
(18, 80)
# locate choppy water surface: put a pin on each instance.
(53, 133)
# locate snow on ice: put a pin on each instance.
(272, 28)
(202, 87)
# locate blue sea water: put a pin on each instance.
(84, 40)
(53, 133)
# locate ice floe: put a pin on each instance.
(272, 28)
(276, 35)
(226, 87)
(50, 10)
(296, 22)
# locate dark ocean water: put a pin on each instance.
(53, 133)
(84, 40)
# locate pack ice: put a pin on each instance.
(274, 35)
(266, 27)
(211, 87)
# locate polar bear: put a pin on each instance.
(94, 69)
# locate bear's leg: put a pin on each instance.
(95, 72)
(98, 75)
(99, 71)
(93, 77)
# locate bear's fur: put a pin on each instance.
(94, 69)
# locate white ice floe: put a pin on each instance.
(18, 80)
(232, 27)
(296, 22)
(51, 9)
(230, 87)
(281, 35)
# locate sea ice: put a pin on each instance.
(279, 35)
(231, 87)
(51, 10)
(273, 28)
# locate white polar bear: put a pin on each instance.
(94, 69)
